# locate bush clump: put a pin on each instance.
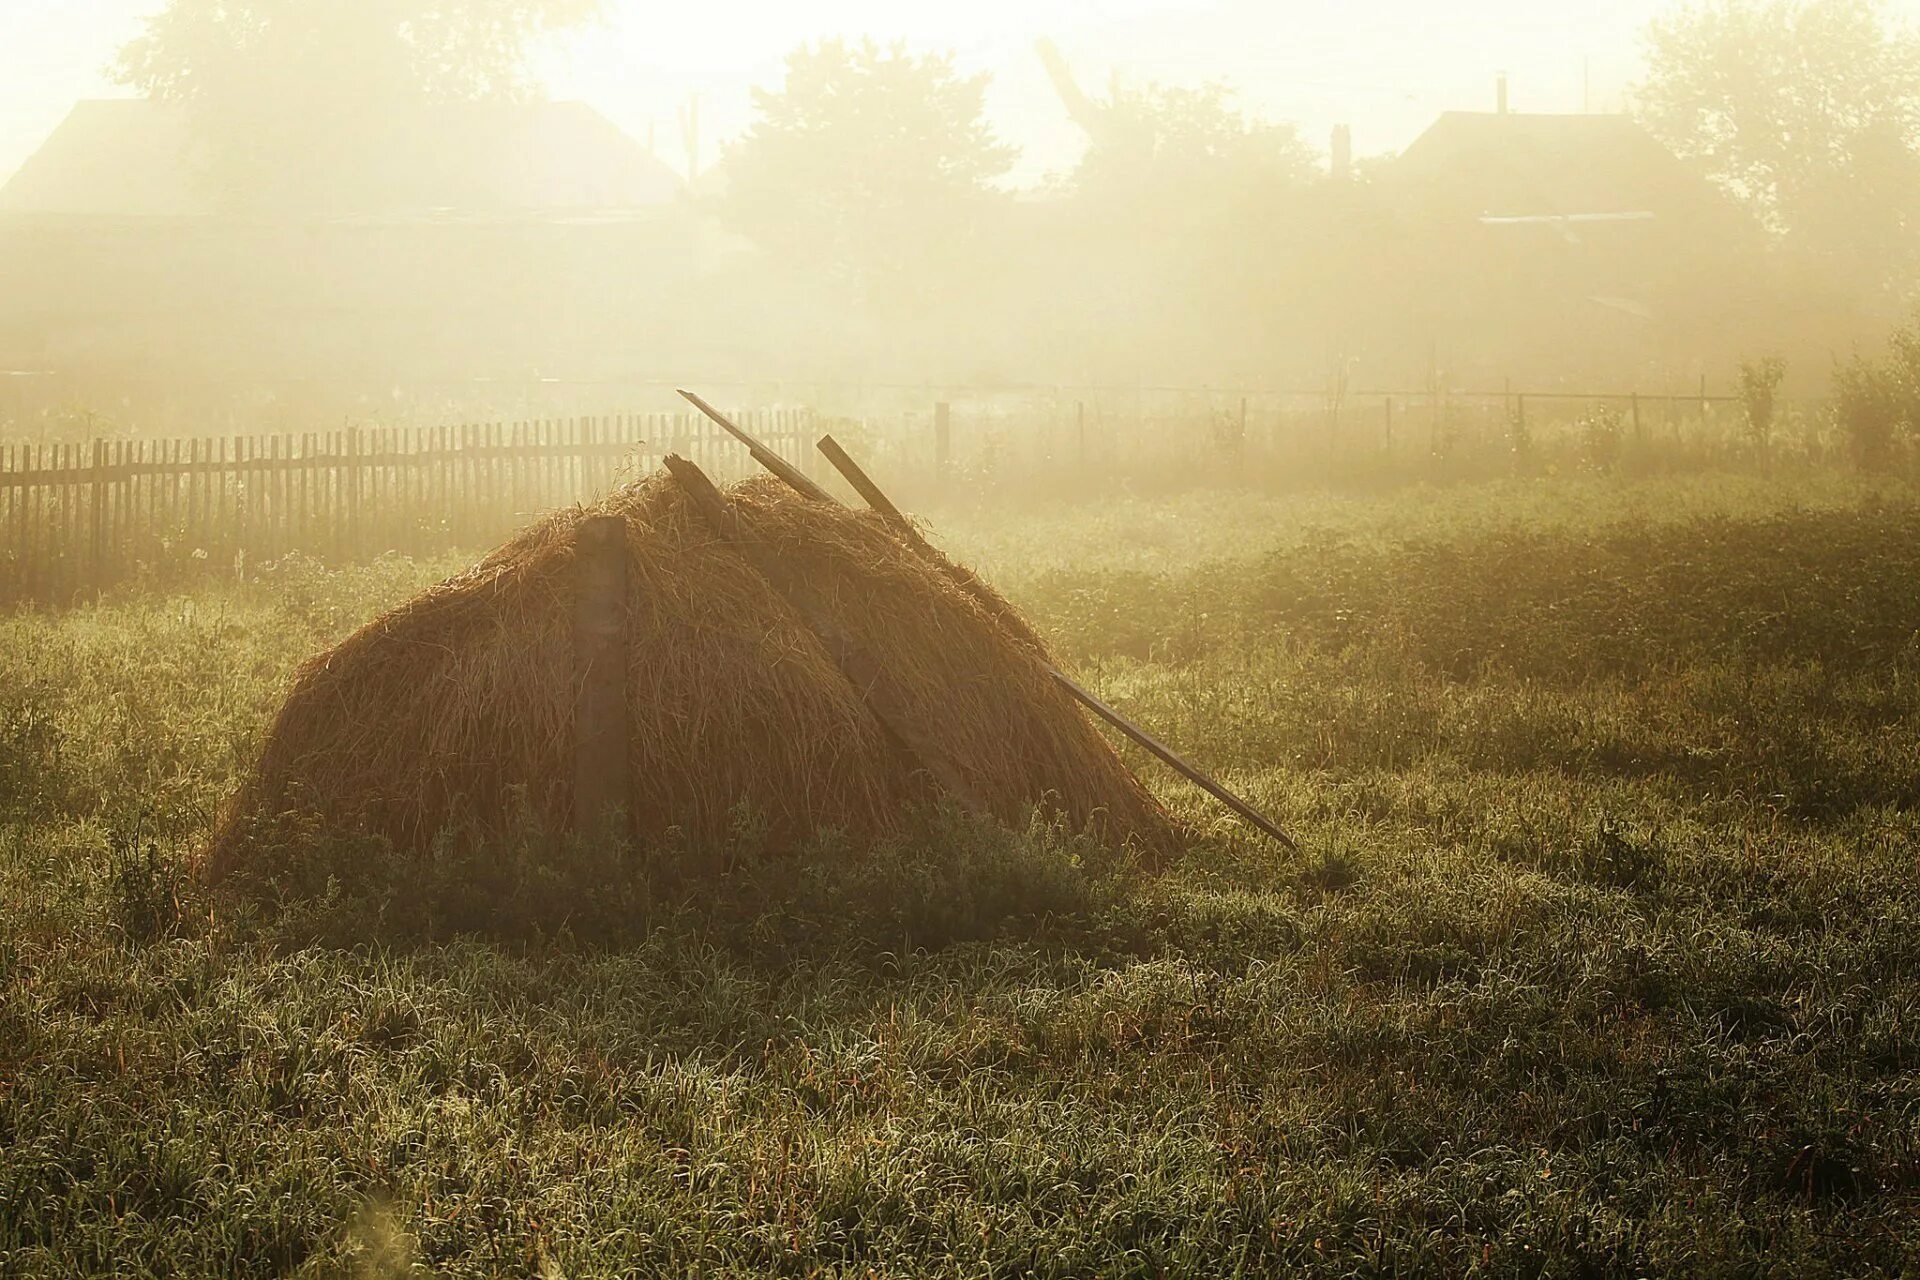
(1876, 401)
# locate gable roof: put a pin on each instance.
(1515, 165)
(140, 158)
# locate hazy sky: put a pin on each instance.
(1386, 66)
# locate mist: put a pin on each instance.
(392, 209)
(1156, 638)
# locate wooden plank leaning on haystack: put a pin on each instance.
(919, 745)
(969, 582)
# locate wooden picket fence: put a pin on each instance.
(1157, 434)
(79, 517)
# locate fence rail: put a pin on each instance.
(1163, 435)
(80, 515)
(75, 517)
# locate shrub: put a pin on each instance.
(1877, 402)
(1600, 433)
(1519, 434)
(1759, 385)
(1864, 408)
(149, 887)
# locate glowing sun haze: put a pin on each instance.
(1385, 66)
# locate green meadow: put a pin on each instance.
(1601, 955)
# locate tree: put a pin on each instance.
(1809, 110)
(288, 93)
(869, 163)
(1178, 148)
(195, 50)
(1189, 229)
(1876, 398)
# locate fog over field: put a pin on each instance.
(440, 202)
(1317, 65)
(1022, 639)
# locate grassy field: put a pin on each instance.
(1603, 956)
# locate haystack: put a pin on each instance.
(457, 709)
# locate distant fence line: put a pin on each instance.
(65, 404)
(79, 516)
(1013, 435)
(75, 517)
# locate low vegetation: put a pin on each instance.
(1876, 399)
(1601, 957)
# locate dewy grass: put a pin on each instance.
(1601, 959)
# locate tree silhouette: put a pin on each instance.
(1166, 145)
(291, 96)
(1191, 230)
(1809, 110)
(196, 50)
(869, 163)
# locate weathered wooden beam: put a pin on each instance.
(602, 756)
(964, 578)
(863, 485)
(921, 744)
(796, 479)
(1017, 626)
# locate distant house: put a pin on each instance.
(462, 242)
(1562, 241)
(1510, 166)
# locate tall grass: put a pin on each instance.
(1601, 958)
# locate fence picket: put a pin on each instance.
(76, 514)
(137, 492)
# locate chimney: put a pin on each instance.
(1500, 93)
(1342, 163)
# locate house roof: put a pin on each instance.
(1514, 165)
(140, 158)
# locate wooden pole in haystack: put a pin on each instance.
(794, 477)
(602, 766)
(921, 744)
(875, 498)
(863, 485)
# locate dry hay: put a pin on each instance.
(457, 708)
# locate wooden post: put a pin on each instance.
(1080, 430)
(192, 527)
(1017, 628)
(1639, 434)
(942, 436)
(354, 547)
(20, 549)
(602, 765)
(126, 498)
(1386, 423)
(96, 514)
(238, 528)
(132, 511)
(1433, 413)
(174, 523)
